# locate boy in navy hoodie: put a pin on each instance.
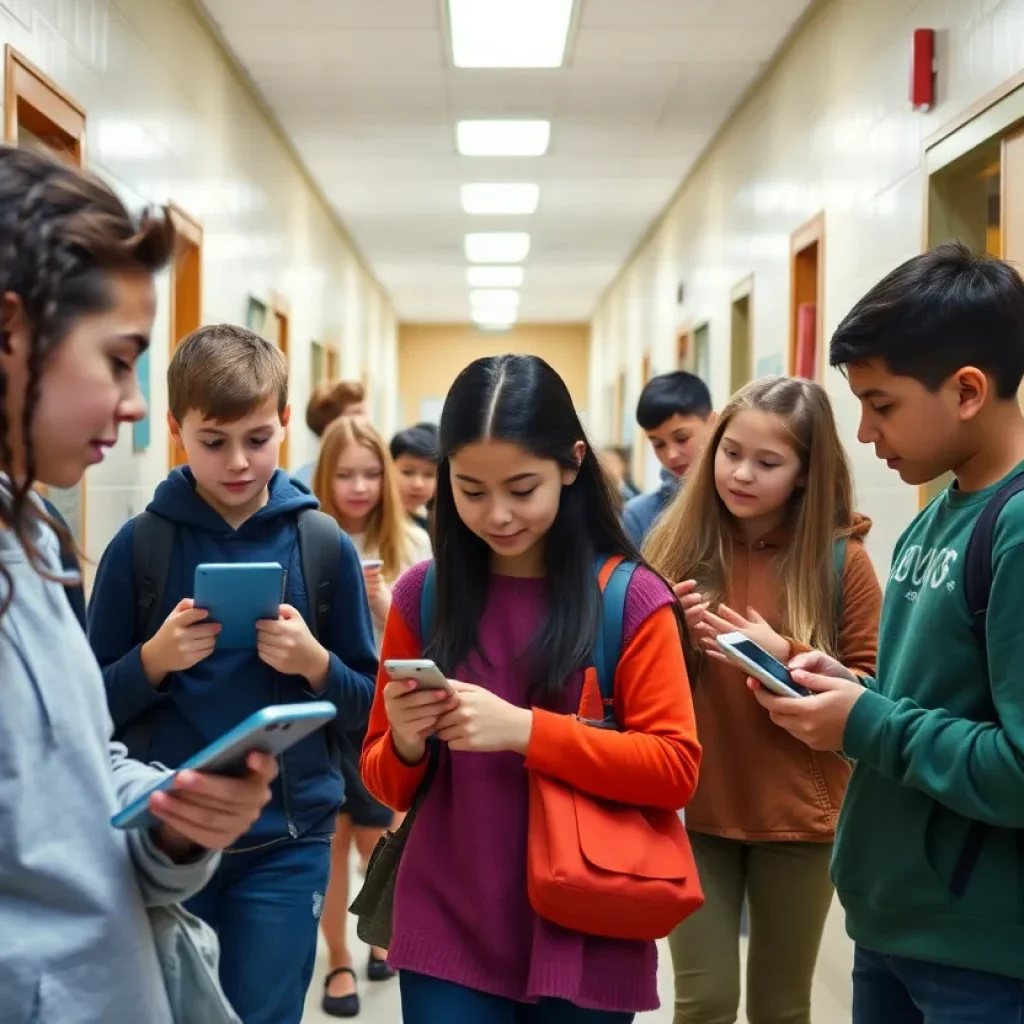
(174, 693)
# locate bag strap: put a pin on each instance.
(978, 557)
(428, 604)
(152, 549)
(613, 577)
(978, 573)
(319, 556)
(839, 546)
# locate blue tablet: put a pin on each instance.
(237, 595)
(272, 731)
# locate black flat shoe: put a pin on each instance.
(377, 969)
(340, 1006)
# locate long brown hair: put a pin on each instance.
(387, 531)
(62, 232)
(693, 539)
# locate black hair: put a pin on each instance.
(419, 441)
(522, 400)
(939, 311)
(672, 394)
(62, 233)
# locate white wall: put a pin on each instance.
(169, 119)
(830, 129)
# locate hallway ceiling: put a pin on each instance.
(368, 94)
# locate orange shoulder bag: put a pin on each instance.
(598, 867)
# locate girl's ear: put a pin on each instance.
(579, 451)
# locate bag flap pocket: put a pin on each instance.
(648, 843)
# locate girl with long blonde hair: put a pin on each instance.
(764, 540)
(356, 482)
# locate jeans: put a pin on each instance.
(432, 1001)
(265, 907)
(895, 990)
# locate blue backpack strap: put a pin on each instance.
(608, 643)
(428, 604)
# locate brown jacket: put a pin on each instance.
(756, 781)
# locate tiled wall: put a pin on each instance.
(831, 129)
(169, 119)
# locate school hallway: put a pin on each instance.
(381, 1005)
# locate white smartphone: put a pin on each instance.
(757, 662)
(372, 563)
(426, 674)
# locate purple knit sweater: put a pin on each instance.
(462, 913)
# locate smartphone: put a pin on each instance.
(372, 563)
(757, 662)
(426, 674)
(271, 730)
(237, 595)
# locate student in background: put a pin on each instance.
(928, 860)
(356, 483)
(174, 693)
(616, 465)
(522, 509)
(754, 539)
(414, 451)
(328, 401)
(78, 310)
(675, 412)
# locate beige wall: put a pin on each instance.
(169, 119)
(430, 357)
(830, 130)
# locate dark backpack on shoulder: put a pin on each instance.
(153, 546)
(978, 573)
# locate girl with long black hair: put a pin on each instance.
(523, 511)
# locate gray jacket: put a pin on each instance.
(75, 940)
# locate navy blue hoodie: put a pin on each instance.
(193, 708)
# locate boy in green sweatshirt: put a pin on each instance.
(929, 853)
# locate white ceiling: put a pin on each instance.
(367, 92)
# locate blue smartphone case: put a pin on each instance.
(272, 730)
(238, 595)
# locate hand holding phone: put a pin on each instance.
(415, 698)
(757, 662)
(184, 640)
(372, 577)
(271, 730)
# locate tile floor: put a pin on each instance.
(831, 998)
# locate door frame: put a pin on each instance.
(811, 233)
(995, 115)
(190, 245)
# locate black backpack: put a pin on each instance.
(153, 547)
(977, 588)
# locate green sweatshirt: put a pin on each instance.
(939, 742)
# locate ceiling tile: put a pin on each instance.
(403, 14)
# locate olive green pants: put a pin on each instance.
(788, 895)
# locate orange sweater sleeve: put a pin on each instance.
(862, 609)
(654, 759)
(388, 778)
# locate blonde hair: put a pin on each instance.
(693, 539)
(386, 529)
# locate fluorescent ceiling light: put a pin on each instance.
(494, 318)
(497, 247)
(503, 138)
(494, 277)
(500, 199)
(509, 33)
(494, 298)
